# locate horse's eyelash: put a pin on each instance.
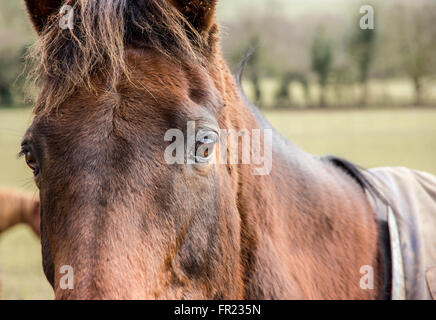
(22, 153)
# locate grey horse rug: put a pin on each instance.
(410, 221)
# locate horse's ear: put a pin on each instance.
(41, 10)
(199, 13)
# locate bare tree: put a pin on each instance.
(283, 95)
(414, 24)
(361, 46)
(322, 58)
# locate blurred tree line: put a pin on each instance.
(15, 36)
(327, 59)
(307, 54)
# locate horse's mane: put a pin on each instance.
(61, 59)
(356, 172)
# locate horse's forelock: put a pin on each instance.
(62, 59)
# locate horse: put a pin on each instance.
(18, 207)
(130, 224)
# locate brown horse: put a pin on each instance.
(18, 207)
(133, 226)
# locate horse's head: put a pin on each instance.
(129, 223)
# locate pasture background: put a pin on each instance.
(389, 131)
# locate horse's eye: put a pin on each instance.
(31, 161)
(205, 147)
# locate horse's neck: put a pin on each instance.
(305, 227)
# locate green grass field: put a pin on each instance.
(401, 137)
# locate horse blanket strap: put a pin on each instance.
(411, 223)
(391, 259)
(398, 282)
